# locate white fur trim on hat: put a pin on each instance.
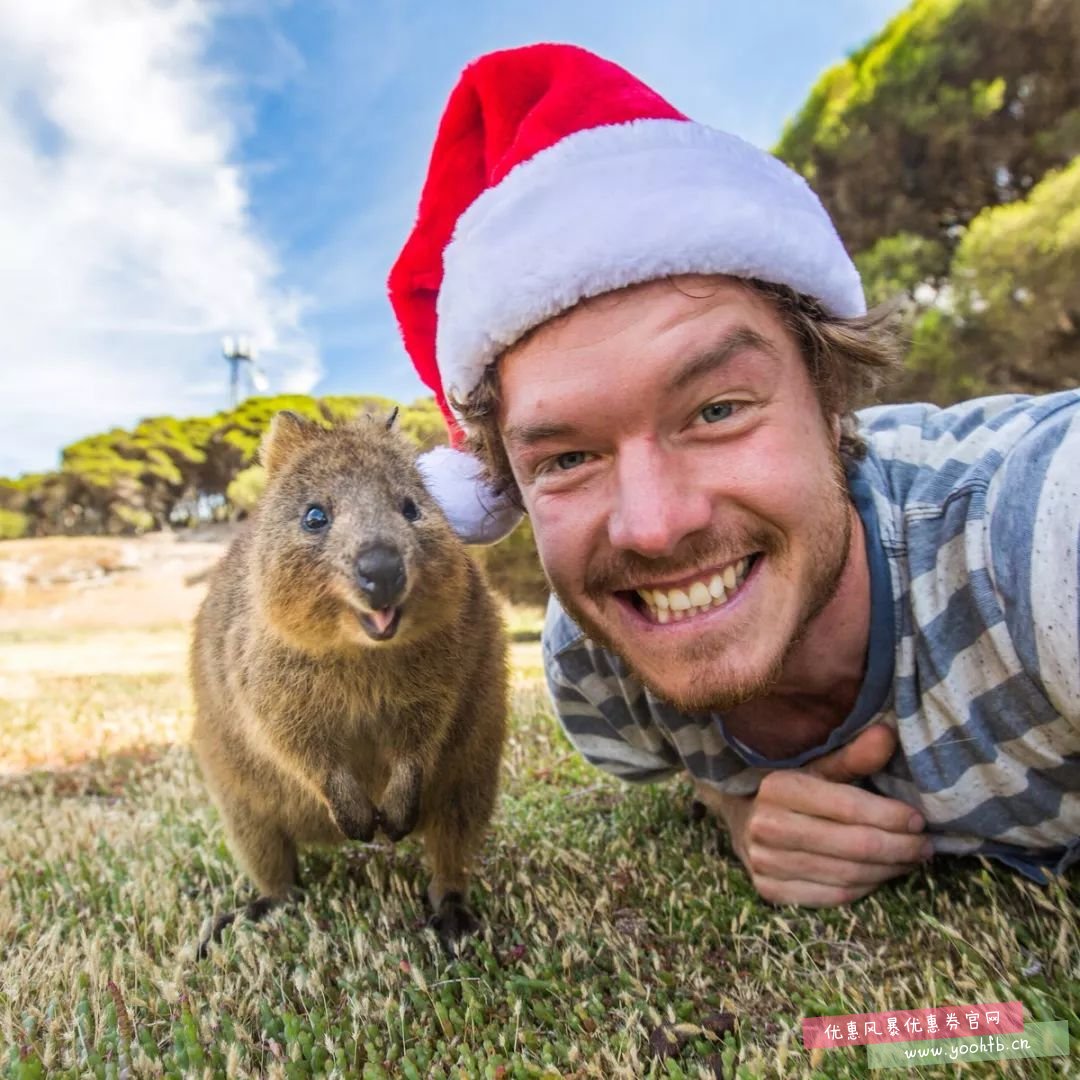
(474, 511)
(621, 204)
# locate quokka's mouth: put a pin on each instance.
(381, 625)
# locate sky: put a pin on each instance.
(173, 171)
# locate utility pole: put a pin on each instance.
(237, 351)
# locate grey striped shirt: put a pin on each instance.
(972, 521)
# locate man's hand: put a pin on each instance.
(809, 837)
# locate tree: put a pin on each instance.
(902, 265)
(955, 106)
(1012, 323)
(169, 471)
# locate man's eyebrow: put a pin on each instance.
(741, 339)
(525, 435)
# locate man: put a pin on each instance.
(858, 635)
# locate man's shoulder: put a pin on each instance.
(980, 509)
(571, 658)
(1033, 546)
(925, 454)
(560, 632)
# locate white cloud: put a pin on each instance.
(127, 245)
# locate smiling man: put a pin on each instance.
(857, 633)
(699, 524)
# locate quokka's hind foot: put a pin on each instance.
(449, 843)
(268, 853)
(453, 922)
(257, 909)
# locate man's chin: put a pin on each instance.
(689, 683)
(699, 691)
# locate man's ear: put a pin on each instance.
(837, 430)
(289, 432)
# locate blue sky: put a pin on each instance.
(174, 171)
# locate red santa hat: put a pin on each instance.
(556, 176)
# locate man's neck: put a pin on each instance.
(823, 673)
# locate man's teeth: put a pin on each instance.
(673, 605)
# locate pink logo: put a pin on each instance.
(909, 1025)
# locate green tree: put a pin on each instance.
(897, 266)
(244, 492)
(423, 422)
(13, 524)
(956, 105)
(1012, 323)
(513, 566)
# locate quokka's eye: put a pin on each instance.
(315, 519)
(409, 510)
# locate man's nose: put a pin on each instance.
(657, 503)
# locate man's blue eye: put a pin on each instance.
(570, 459)
(718, 410)
(315, 519)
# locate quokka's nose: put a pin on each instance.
(380, 573)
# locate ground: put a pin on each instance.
(621, 938)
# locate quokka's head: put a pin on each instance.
(350, 549)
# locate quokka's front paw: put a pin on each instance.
(358, 826)
(353, 812)
(400, 810)
(397, 830)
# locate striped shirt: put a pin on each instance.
(972, 524)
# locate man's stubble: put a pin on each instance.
(828, 550)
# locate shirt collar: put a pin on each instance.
(877, 682)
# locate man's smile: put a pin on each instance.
(691, 597)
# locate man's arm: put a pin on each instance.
(810, 837)
(603, 730)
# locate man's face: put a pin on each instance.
(683, 485)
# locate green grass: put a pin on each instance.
(523, 622)
(614, 928)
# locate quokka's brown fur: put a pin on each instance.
(308, 730)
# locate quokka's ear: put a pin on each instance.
(392, 418)
(289, 432)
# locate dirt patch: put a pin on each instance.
(25, 661)
(85, 606)
(97, 583)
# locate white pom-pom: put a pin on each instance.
(476, 513)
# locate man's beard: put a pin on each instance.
(827, 556)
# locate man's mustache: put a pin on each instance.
(625, 570)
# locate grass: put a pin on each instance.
(620, 937)
(523, 622)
